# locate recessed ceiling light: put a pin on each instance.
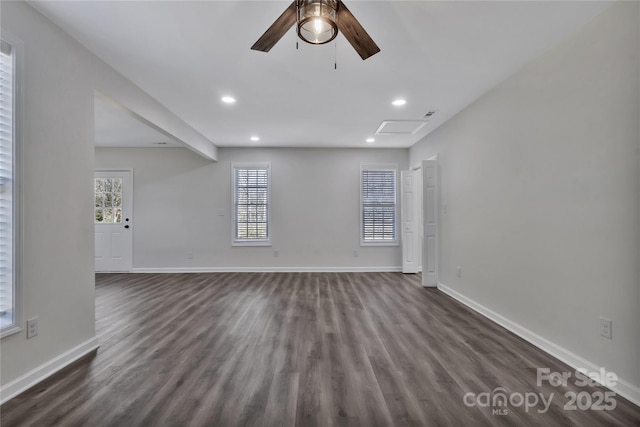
(399, 102)
(228, 99)
(255, 138)
(371, 140)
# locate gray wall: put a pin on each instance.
(59, 79)
(541, 181)
(315, 208)
(57, 165)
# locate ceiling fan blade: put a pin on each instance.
(277, 29)
(355, 33)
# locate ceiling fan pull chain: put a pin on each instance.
(335, 56)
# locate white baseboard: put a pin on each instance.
(44, 371)
(623, 388)
(267, 270)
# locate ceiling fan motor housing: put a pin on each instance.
(317, 20)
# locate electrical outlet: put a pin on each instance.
(459, 271)
(356, 254)
(605, 327)
(276, 254)
(32, 327)
(190, 255)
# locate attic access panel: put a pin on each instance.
(400, 127)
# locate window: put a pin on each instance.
(251, 198)
(378, 205)
(8, 297)
(108, 198)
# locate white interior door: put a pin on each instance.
(410, 220)
(113, 216)
(430, 214)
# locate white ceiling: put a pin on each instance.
(437, 55)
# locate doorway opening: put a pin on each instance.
(420, 193)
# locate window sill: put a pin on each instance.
(380, 243)
(251, 243)
(9, 330)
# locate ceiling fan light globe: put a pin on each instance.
(317, 21)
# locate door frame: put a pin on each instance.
(128, 199)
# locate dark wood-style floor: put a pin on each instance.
(305, 349)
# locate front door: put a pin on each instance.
(113, 216)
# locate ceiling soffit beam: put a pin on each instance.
(201, 145)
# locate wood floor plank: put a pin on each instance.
(295, 349)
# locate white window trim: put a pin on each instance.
(18, 103)
(260, 242)
(382, 167)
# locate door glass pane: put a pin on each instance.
(108, 200)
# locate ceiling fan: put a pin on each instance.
(318, 22)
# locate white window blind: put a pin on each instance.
(378, 195)
(251, 204)
(7, 294)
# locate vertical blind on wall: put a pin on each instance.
(6, 185)
(251, 198)
(378, 205)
